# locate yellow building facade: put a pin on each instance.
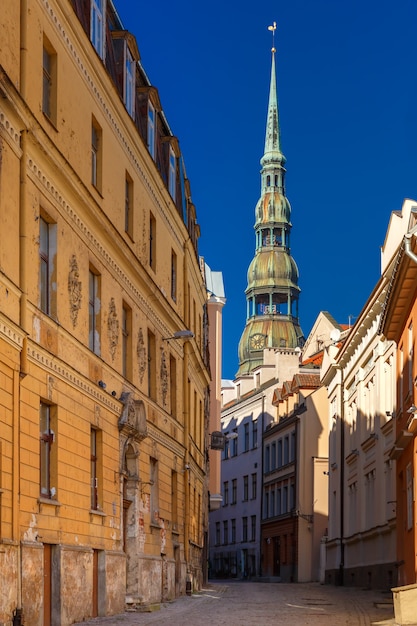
(103, 348)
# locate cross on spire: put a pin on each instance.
(273, 29)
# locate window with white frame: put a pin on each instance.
(94, 307)
(47, 269)
(172, 178)
(245, 488)
(151, 129)
(49, 86)
(47, 438)
(129, 95)
(97, 23)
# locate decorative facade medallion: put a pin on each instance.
(164, 377)
(141, 354)
(74, 290)
(132, 420)
(113, 328)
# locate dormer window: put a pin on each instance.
(129, 91)
(172, 178)
(151, 129)
(97, 25)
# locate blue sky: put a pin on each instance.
(347, 91)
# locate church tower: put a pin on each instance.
(272, 292)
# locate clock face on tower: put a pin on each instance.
(257, 341)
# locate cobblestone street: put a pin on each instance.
(255, 604)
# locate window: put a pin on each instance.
(246, 437)
(154, 500)
(255, 434)
(292, 446)
(129, 205)
(217, 533)
(152, 242)
(233, 531)
(172, 179)
(96, 478)
(279, 452)
(234, 491)
(226, 451)
(151, 365)
(254, 485)
(245, 487)
(47, 260)
(286, 450)
(151, 129)
(292, 496)
(279, 500)
(285, 500)
(127, 341)
(49, 91)
(47, 456)
(273, 455)
(267, 459)
(173, 276)
(97, 25)
(94, 312)
(272, 502)
(244, 528)
(129, 94)
(266, 504)
(225, 493)
(173, 384)
(96, 154)
(253, 528)
(234, 443)
(225, 532)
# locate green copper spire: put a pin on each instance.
(272, 291)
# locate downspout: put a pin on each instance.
(18, 377)
(186, 418)
(407, 247)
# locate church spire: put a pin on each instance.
(272, 291)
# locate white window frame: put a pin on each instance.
(151, 129)
(172, 178)
(97, 25)
(129, 95)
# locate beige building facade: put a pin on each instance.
(359, 374)
(103, 350)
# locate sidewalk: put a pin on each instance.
(268, 604)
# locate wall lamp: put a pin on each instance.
(180, 334)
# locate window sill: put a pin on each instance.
(96, 513)
(48, 502)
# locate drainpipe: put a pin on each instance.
(407, 247)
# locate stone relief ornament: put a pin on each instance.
(141, 354)
(113, 328)
(74, 290)
(164, 377)
(133, 417)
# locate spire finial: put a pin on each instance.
(273, 29)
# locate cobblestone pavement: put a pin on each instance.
(264, 604)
